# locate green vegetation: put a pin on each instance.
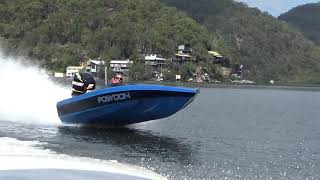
(268, 48)
(57, 33)
(305, 18)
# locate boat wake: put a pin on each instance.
(27, 160)
(27, 94)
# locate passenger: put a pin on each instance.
(117, 80)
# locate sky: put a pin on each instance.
(276, 7)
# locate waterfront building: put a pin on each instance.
(72, 70)
(184, 54)
(120, 66)
(155, 60)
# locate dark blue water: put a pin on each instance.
(224, 134)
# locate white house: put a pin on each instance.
(96, 65)
(120, 66)
(71, 70)
(154, 60)
(58, 75)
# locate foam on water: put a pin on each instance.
(27, 95)
(23, 155)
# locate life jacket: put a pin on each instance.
(82, 82)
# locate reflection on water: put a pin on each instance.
(133, 141)
(166, 155)
(104, 143)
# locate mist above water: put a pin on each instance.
(27, 94)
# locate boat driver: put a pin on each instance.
(83, 82)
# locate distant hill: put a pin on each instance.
(57, 33)
(307, 19)
(269, 48)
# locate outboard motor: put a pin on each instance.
(82, 82)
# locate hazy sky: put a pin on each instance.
(276, 7)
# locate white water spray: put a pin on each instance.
(26, 93)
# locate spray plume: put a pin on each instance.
(27, 94)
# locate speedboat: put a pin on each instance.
(125, 104)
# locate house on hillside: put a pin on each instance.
(184, 54)
(217, 58)
(155, 60)
(92, 66)
(72, 70)
(182, 57)
(121, 66)
(184, 49)
(96, 67)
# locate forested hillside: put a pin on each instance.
(57, 32)
(269, 48)
(307, 19)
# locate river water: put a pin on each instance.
(226, 133)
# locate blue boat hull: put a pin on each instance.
(123, 105)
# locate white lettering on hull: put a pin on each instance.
(114, 97)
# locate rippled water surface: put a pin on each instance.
(226, 133)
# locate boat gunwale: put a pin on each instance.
(127, 88)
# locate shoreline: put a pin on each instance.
(305, 87)
(314, 87)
